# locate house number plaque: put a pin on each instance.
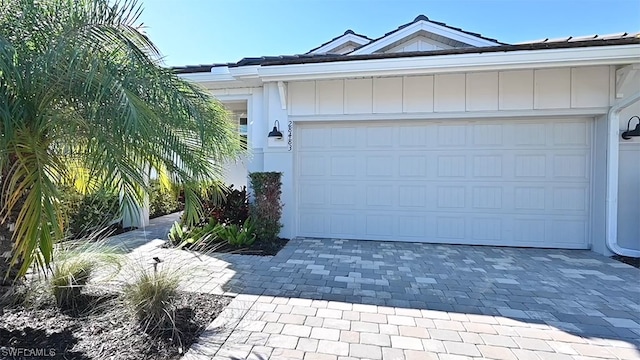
(290, 136)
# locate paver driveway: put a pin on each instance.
(339, 299)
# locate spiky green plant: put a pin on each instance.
(74, 265)
(151, 297)
(84, 100)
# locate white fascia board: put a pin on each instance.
(206, 76)
(244, 72)
(422, 26)
(424, 65)
(339, 42)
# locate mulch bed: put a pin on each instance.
(260, 248)
(103, 329)
(627, 260)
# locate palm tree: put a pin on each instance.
(82, 87)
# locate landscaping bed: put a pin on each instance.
(635, 262)
(101, 328)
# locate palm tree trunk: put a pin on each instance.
(6, 244)
(8, 273)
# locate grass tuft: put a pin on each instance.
(74, 265)
(151, 296)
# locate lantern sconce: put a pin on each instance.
(275, 133)
(635, 132)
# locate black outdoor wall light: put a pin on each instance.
(275, 133)
(635, 132)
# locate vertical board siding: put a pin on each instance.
(552, 89)
(515, 90)
(330, 96)
(387, 95)
(417, 94)
(302, 97)
(482, 91)
(358, 96)
(559, 88)
(590, 87)
(449, 93)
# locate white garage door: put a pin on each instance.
(502, 182)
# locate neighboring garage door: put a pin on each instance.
(493, 182)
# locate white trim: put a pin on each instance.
(623, 75)
(511, 114)
(339, 42)
(422, 25)
(423, 65)
(613, 158)
(282, 90)
(244, 72)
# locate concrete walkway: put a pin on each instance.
(339, 299)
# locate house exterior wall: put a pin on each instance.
(544, 89)
(629, 174)
(577, 91)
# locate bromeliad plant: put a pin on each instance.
(83, 97)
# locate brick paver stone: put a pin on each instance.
(365, 351)
(333, 298)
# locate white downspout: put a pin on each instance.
(612, 178)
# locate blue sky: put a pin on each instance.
(190, 32)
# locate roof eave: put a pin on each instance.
(417, 65)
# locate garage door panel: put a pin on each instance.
(571, 165)
(343, 137)
(380, 196)
(571, 134)
(483, 186)
(486, 229)
(487, 135)
(489, 165)
(379, 225)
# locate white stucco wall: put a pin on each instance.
(629, 174)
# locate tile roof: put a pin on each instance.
(425, 18)
(349, 31)
(622, 35)
(565, 42)
(320, 58)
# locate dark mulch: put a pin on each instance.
(260, 248)
(628, 260)
(106, 331)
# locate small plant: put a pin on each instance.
(73, 267)
(266, 208)
(178, 233)
(162, 201)
(232, 208)
(238, 236)
(199, 237)
(151, 297)
(88, 213)
(68, 279)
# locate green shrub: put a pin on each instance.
(231, 208)
(199, 237)
(163, 201)
(238, 236)
(151, 298)
(89, 213)
(266, 208)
